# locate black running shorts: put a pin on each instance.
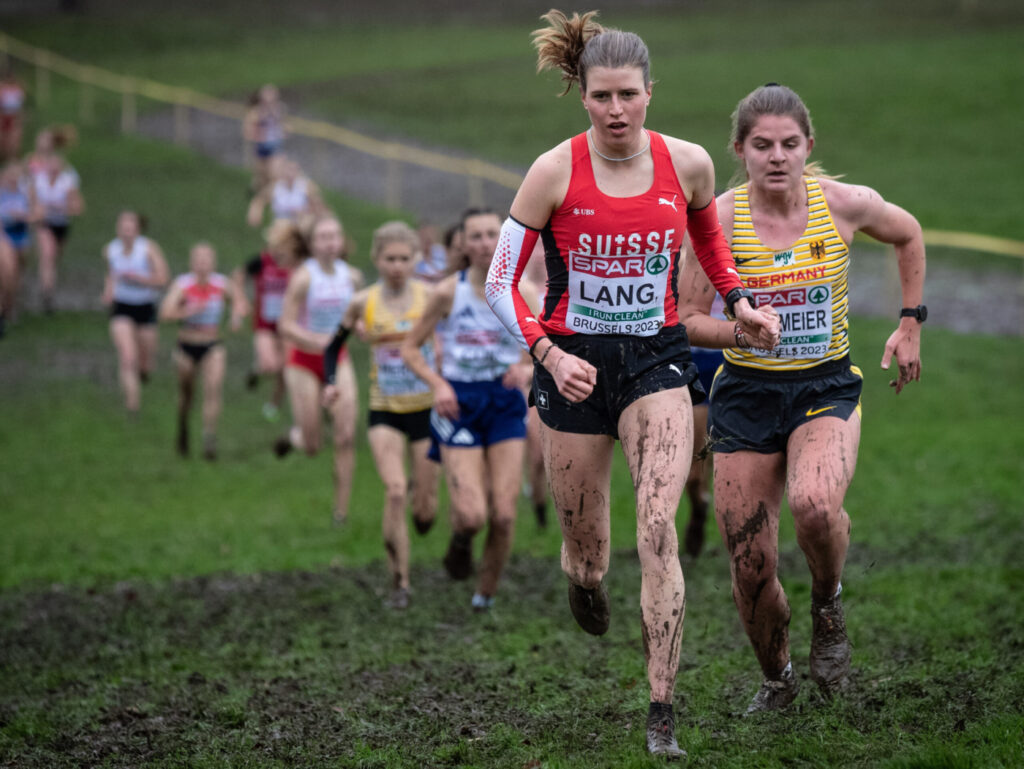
(628, 368)
(415, 424)
(753, 410)
(141, 314)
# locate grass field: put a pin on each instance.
(914, 98)
(160, 612)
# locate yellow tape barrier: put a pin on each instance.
(186, 97)
(317, 129)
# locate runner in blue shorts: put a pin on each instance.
(479, 413)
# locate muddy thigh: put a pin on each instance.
(822, 459)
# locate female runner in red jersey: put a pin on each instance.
(269, 271)
(611, 358)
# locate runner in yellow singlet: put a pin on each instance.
(400, 401)
(788, 420)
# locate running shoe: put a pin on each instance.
(282, 447)
(775, 694)
(251, 380)
(693, 542)
(661, 732)
(182, 441)
(830, 647)
(541, 511)
(210, 448)
(590, 608)
(338, 519)
(399, 599)
(482, 603)
(422, 527)
(458, 561)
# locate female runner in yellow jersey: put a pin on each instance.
(788, 420)
(399, 400)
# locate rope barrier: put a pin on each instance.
(473, 169)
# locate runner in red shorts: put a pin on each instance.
(317, 296)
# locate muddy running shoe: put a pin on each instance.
(399, 599)
(182, 440)
(482, 603)
(282, 447)
(693, 542)
(422, 527)
(661, 732)
(590, 608)
(210, 448)
(775, 694)
(541, 511)
(458, 561)
(830, 647)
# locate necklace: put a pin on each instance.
(618, 160)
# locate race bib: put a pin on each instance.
(394, 377)
(805, 320)
(617, 294)
(270, 306)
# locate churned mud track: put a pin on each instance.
(306, 668)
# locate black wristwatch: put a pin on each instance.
(920, 313)
(735, 295)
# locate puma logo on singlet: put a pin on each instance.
(664, 202)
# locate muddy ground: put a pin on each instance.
(306, 669)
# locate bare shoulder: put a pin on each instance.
(445, 289)
(544, 186)
(360, 298)
(694, 168)
(689, 158)
(357, 277)
(851, 202)
(725, 203)
(299, 279)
